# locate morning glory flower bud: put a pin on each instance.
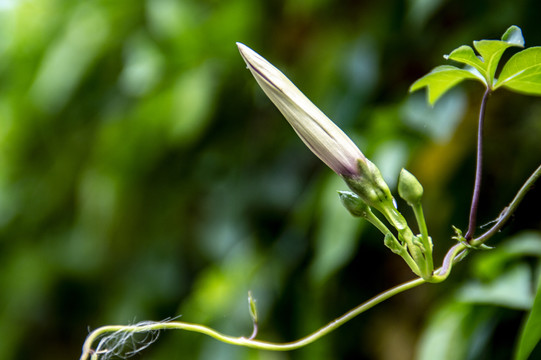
(409, 188)
(315, 129)
(323, 137)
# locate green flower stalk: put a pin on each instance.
(411, 190)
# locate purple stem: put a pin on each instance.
(478, 169)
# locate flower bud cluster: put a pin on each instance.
(330, 144)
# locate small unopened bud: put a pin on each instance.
(252, 307)
(391, 242)
(409, 188)
(353, 203)
(253, 314)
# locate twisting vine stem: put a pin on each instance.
(478, 168)
(454, 255)
(247, 342)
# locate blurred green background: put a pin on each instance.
(144, 175)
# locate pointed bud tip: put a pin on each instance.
(244, 51)
(250, 56)
(241, 47)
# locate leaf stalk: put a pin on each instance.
(478, 168)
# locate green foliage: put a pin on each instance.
(531, 333)
(468, 322)
(337, 234)
(451, 331)
(142, 176)
(522, 73)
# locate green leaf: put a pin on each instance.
(491, 52)
(531, 333)
(441, 79)
(455, 331)
(522, 73)
(511, 289)
(444, 337)
(466, 55)
(513, 35)
(483, 65)
(336, 236)
(490, 265)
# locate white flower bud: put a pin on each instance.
(315, 129)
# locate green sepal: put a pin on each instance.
(370, 186)
(458, 234)
(476, 247)
(461, 239)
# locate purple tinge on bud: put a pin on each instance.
(315, 129)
